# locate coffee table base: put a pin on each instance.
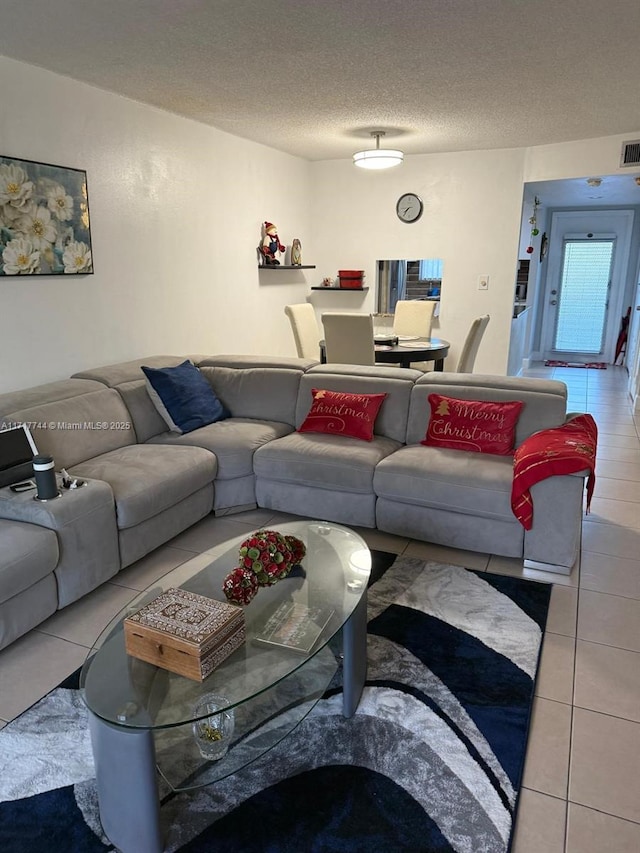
(125, 759)
(354, 650)
(127, 784)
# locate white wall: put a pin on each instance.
(598, 156)
(176, 209)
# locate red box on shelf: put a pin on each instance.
(351, 279)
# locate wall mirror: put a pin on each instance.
(402, 279)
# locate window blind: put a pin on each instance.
(430, 268)
(584, 290)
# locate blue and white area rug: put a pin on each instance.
(431, 761)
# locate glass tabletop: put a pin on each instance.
(427, 343)
(126, 691)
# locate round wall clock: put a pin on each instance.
(409, 207)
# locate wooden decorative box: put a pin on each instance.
(185, 633)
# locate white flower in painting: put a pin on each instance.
(77, 257)
(59, 203)
(9, 214)
(38, 227)
(15, 189)
(20, 257)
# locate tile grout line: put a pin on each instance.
(571, 723)
(612, 594)
(601, 811)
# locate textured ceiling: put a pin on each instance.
(314, 78)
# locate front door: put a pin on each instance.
(584, 284)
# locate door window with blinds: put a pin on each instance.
(583, 297)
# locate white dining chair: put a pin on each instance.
(304, 326)
(413, 317)
(348, 338)
(472, 343)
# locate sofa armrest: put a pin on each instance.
(84, 521)
(554, 538)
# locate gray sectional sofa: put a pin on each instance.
(146, 484)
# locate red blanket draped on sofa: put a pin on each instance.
(566, 449)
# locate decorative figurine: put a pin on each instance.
(296, 253)
(271, 245)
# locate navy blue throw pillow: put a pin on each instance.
(183, 397)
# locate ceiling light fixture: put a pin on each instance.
(594, 182)
(378, 158)
(637, 180)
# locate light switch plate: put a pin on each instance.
(483, 282)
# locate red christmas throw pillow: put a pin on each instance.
(338, 413)
(477, 425)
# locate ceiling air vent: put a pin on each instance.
(630, 153)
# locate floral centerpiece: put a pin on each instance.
(240, 585)
(265, 558)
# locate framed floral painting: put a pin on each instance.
(44, 219)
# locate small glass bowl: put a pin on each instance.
(213, 732)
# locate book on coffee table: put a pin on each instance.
(294, 626)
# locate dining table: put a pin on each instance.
(407, 351)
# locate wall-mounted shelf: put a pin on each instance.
(287, 267)
(341, 289)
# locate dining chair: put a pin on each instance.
(305, 329)
(471, 345)
(348, 338)
(413, 317)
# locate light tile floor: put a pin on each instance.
(582, 774)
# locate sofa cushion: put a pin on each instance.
(147, 479)
(267, 393)
(79, 428)
(480, 426)
(127, 371)
(233, 441)
(341, 413)
(395, 382)
(28, 554)
(260, 362)
(183, 397)
(146, 419)
(545, 400)
(332, 462)
(62, 389)
(472, 483)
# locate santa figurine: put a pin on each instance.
(271, 245)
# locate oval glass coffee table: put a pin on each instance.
(142, 717)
